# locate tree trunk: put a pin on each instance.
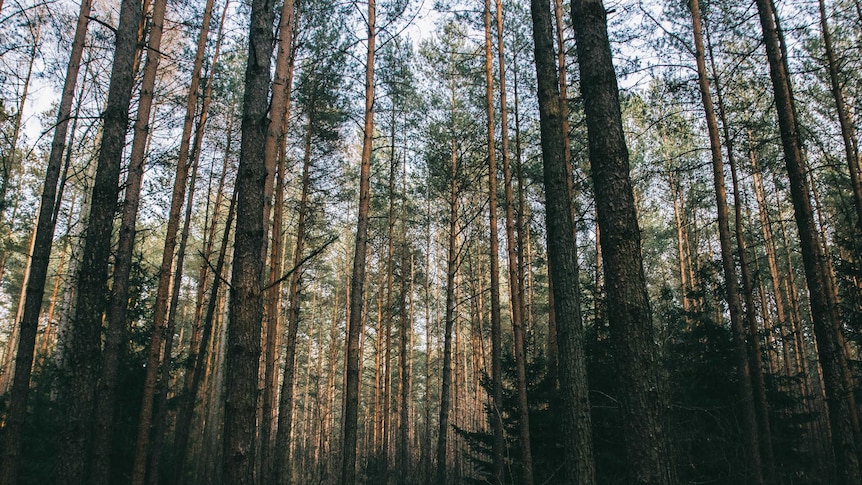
(84, 344)
(647, 446)
(761, 405)
(451, 310)
(40, 258)
(285, 407)
(195, 378)
(357, 293)
(823, 300)
(515, 293)
(279, 103)
(115, 320)
(426, 442)
(170, 281)
(246, 296)
(405, 345)
(280, 112)
(164, 364)
(745, 375)
(682, 250)
(522, 222)
(563, 267)
(496, 330)
(844, 120)
(388, 309)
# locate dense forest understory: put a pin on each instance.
(503, 242)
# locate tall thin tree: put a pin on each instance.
(357, 282)
(451, 304)
(496, 329)
(734, 302)
(83, 347)
(562, 248)
(115, 321)
(40, 257)
(823, 299)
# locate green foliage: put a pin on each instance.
(705, 421)
(544, 426)
(41, 447)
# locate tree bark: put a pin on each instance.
(405, 349)
(562, 249)
(285, 407)
(279, 102)
(388, 309)
(115, 321)
(83, 353)
(451, 310)
(745, 375)
(496, 329)
(194, 378)
(761, 404)
(157, 430)
(357, 293)
(823, 300)
(426, 442)
(246, 296)
(682, 249)
(647, 446)
(282, 85)
(516, 295)
(40, 257)
(170, 275)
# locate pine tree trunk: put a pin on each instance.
(286, 405)
(274, 154)
(451, 310)
(246, 297)
(276, 132)
(357, 293)
(761, 405)
(388, 309)
(426, 442)
(405, 347)
(682, 250)
(564, 104)
(844, 120)
(170, 281)
(327, 421)
(563, 267)
(377, 420)
(279, 104)
(823, 300)
(522, 222)
(115, 321)
(783, 313)
(157, 430)
(516, 296)
(199, 353)
(647, 447)
(40, 257)
(746, 376)
(496, 329)
(84, 345)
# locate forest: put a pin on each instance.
(260, 242)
